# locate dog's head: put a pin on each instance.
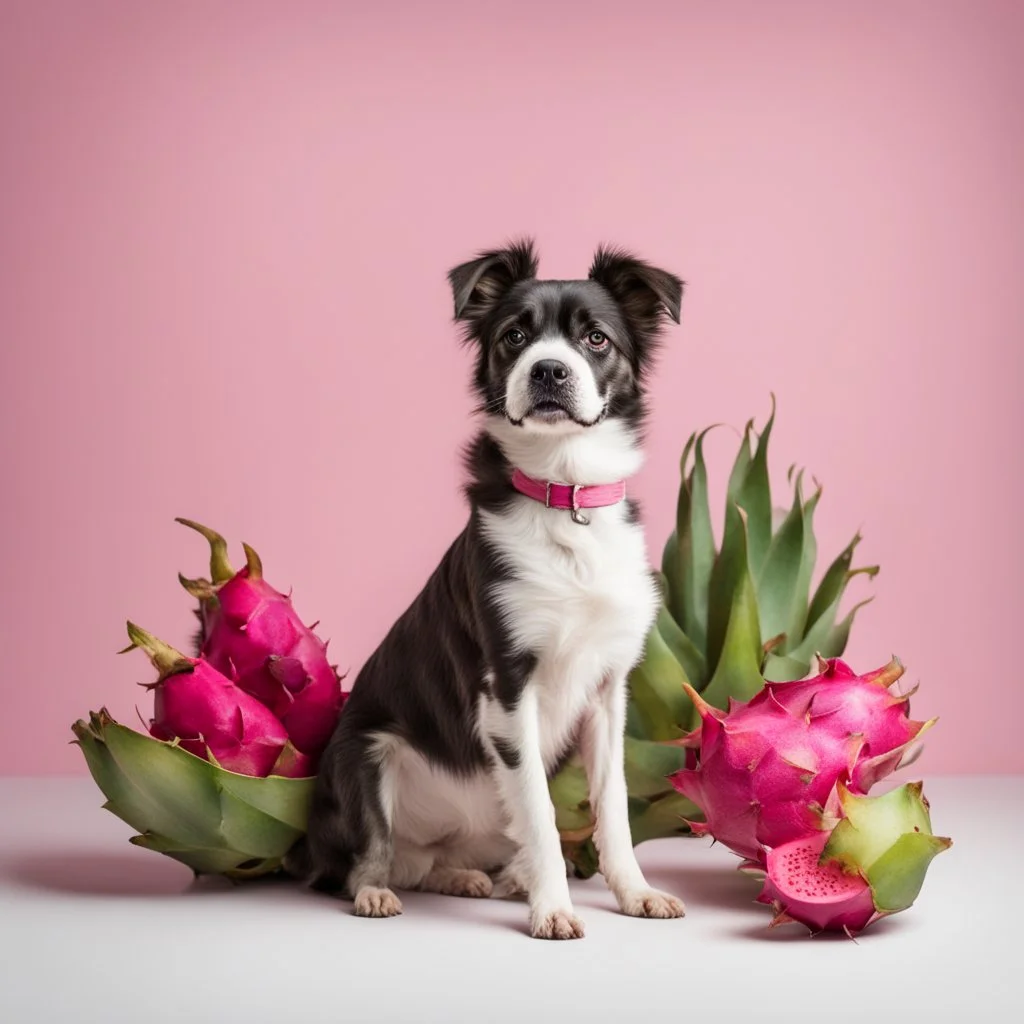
(559, 357)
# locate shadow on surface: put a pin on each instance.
(87, 873)
(798, 933)
(721, 888)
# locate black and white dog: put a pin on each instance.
(516, 652)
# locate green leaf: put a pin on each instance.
(569, 786)
(782, 668)
(730, 569)
(816, 636)
(683, 649)
(777, 580)
(583, 856)
(571, 819)
(636, 724)
(755, 498)
(832, 583)
(835, 643)
(202, 815)
(658, 819)
(249, 830)
(202, 860)
(648, 766)
(694, 549)
(673, 560)
(671, 569)
(656, 685)
(286, 800)
(802, 586)
(897, 876)
(152, 785)
(741, 465)
(738, 672)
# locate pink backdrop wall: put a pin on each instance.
(224, 230)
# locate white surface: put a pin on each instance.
(92, 929)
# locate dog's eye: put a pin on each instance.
(597, 339)
(515, 337)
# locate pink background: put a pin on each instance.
(224, 230)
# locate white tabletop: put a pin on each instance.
(92, 929)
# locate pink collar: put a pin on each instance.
(570, 497)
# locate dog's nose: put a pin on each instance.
(549, 372)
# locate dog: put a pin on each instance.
(516, 652)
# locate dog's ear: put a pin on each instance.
(478, 285)
(645, 293)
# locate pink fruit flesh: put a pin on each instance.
(822, 897)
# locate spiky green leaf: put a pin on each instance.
(695, 548)
(755, 498)
(648, 766)
(835, 642)
(730, 569)
(741, 465)
(658, 819)
(738, 672)
(782, 668)
(656, 688)
(683, 649)
(777, 591)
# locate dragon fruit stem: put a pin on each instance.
(887, 675)
(164, 657)
(200, 589)
(702, 706)
(253, 563)
(220, 568)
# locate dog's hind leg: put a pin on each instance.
(457, 882)
(349, 848)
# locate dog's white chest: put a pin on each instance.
(581, 599)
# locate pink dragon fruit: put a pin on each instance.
(870, 865)
(766, 771)
(209, 716)
(253, 635)
(850, 705)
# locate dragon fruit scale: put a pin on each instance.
(209, 716)
(766, 771)
(872, 864)
(252, 633)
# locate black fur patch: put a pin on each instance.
(508, 752)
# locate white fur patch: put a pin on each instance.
(587, 403)
(582, 599)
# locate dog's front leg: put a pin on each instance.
(522, 779)
(602, 747)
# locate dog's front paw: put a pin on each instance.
(650, 903)
(373, 902)
(556, 924)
